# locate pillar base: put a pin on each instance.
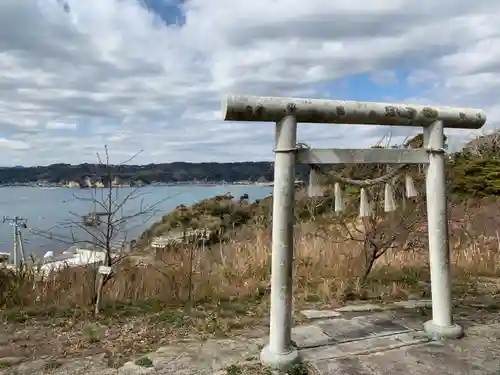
(437, 333)
(279, 361)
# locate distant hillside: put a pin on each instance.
(475, 170)
(171, 172)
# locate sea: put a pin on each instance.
(54, 216)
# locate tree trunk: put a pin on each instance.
(98, 297)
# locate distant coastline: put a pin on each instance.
(168, 174)
(41, 185)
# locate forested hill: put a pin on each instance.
(475, 170)
(172, 172)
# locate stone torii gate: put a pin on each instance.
(286, 113)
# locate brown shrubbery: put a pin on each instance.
(223, 286)
(326, 270)
(336, 259)
(190, 293)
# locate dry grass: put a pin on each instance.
(189, 292)
(258, 369)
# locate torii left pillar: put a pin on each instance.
(280, 354)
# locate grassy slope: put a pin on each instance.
(188, 292)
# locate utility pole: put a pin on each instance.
(16, 223)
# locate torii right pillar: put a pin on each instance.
(441, 326)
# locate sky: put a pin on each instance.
(150, 75)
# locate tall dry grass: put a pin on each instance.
(326, 271)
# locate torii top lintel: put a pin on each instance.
(273, 109)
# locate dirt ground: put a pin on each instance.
(121, 332)
(58, 336)
(124, 332)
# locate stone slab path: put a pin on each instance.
(382, 344)
(353, 340)
(477, 354)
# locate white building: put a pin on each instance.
(72, 257)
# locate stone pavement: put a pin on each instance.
(383, 344)
(353, 340)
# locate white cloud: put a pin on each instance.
(14, 145)
(55, 125)
(110, 72)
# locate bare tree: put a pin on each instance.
(484, 145)
(400, 230)
(107, 227)
(379, 232)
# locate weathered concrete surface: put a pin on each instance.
(360, 307)
(476, 354)
(320, 314)
(384, 341)
(391, 342)
(367, 307)
(187, 358)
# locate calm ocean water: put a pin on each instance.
(50, 211)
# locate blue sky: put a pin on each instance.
(366, 87)
(149, 75)
(168, 10)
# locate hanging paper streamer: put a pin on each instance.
(364, 205)
(410, 190)
(314, 189)
(389, 204)
(339, 200)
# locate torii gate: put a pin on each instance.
(286, 113)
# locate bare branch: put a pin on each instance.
(109, 227)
